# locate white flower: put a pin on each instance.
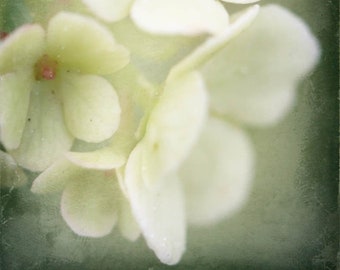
(191, 161)
(52, 89)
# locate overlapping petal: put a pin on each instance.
(81, 44)
(55, 177)
(45, 137)
(15, 95)
(91, 106)
(258, 71)
(159, 212)
(22, 48)
(111, 11)
(185, 17)
(173, 126)
(217, 175)
(89, 204)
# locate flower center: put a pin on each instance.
(45, 68)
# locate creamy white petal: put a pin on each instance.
(174, 126)
(185, 17)
(102, 159)
(55, 177)
(89, 203)
(81, 44)
(109, 10)
(217, 175)
(45, 137)
(159, 213)
(91, 107)
(254, 77)
(214, 44)
(22, 48)
(126, 223)
(15, 95)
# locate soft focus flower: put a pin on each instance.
(181, 155)
(11, 175)
(52, 90)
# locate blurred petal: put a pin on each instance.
(174, 126)
(45, 136)
(109, 10)
(185, 17)
(11, 175)
(254, 77)
(218, 173)
(15, 94)
(127, 224)
(55, 177)
(89, 204)
(240, 1)
(81, 44)
(212, 45)
(159, 213)
(91, 107)
(21, 48)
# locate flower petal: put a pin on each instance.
(21, 48)
(127, 224)
(45, 137)
(185, 17)
(261, 68)
(91, 107)
(55, 177)
(218, 173)
(159, 213)
(81, 44)
(89, 203)
(102, 159)
(15, 94)
(174, 126)
(111, 11)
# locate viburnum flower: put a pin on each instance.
(52, 89)
(190, 160)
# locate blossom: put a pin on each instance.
(187, 159)
(52, 88)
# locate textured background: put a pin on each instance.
(290, 221)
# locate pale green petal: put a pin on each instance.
(81, 44)
(159, 213)
(184, 17)
(89, 203)
(174, 126)
(22, 48)
(109, 10)
(91, 107)
(126, 223)
(214, 44)
(15, 94)
(217, 175)
(11, 175)
(102, 159)
(254, 77)
(55, 177)
(45, 136)
(240, 1)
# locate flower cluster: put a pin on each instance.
(149, 148)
